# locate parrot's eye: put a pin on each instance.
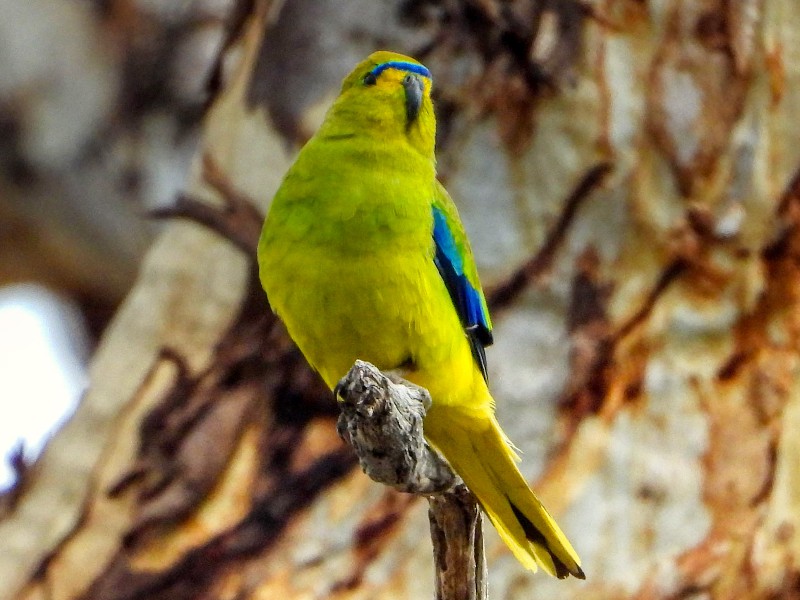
(370, 78)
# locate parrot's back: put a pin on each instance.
(363, 256)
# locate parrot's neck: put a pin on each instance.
(348, 119)
(359, 184)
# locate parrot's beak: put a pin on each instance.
(414, 89)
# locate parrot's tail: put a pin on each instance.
(480, 453)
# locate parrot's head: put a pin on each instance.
(388, 95)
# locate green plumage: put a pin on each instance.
(350, 263)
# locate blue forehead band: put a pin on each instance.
(402, 66)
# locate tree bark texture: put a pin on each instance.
(382, 419)
(99, 105)
(459, 557)
(629, 175)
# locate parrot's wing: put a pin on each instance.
(454, 261)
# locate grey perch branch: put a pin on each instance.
(381, 417)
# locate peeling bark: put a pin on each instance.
(647, 318)
(382, 419)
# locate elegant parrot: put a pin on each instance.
(363, 256)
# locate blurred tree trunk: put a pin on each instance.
(629, 173)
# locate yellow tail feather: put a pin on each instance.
(478, 451)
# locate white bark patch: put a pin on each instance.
(528, 367)
(626, 100)
(54, 68)
(682, 104)
(481, 190)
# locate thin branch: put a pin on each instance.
(381, 417)
(382, 420)
(668, 276)
(238, 220)
(22, 470)
(457, 534)
(504, 294)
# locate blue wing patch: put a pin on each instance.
(466, 299)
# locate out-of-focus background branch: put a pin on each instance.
(101, 103)
(628, 174)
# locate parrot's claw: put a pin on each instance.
(337, 390)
